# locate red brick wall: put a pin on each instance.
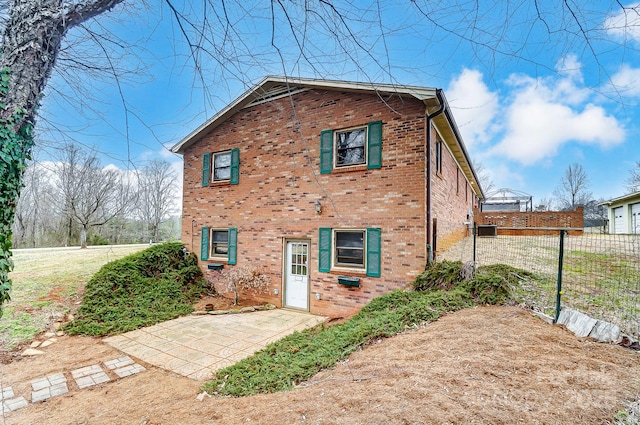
(280, 180)
(452, 199)
(525, 223)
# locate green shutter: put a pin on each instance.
(324, 244)
(235, 166)
(326, 151)
(374, 145)
(233, 245)
(373, 252)
(206, 169)
(204, 244)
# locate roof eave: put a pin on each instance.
(423, 94)
(459, 150)
(620, 199)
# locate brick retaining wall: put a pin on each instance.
(532, 223)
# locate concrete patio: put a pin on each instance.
(198, 345)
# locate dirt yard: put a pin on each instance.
(490, 365)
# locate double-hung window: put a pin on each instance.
(350, 249)
(219, 244)
(350, 147)
(221, 167)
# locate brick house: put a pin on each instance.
(338, 191)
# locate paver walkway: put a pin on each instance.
(193, 346)
(198, 345)
(46, 387)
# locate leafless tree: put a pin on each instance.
(574, 188)
(92, 195)
(633, 182)
(157, 186)
(33, 210)
(486, 182)
(545, 204)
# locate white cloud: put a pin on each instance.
(474, 107)
(624, 24)
(626, 81)
(543, 114)
(538, 116)
(502, 176)
(571, 67)
(166, 153)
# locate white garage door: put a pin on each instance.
(618, 224)
(635, 218)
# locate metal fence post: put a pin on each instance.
(559, 287)
(475, 232)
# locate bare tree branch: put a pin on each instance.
(573, 190)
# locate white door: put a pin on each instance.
(635, 218)
(296, 291)
(618, 224)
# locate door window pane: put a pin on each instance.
(299, 259)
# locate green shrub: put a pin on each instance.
(443, 287)
(151, 286)
(439, 275)
(299, 356)
(493, 284)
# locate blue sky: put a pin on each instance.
(531, 90)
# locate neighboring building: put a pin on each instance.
(507, 200)
(624, 214)
(327, 184)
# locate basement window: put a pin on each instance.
(219, 243)
(349, 248)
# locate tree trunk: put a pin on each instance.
(31, 41)
(83, 237)
(156, 233)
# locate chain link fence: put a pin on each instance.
(597, 274)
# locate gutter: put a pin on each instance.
(430, 117)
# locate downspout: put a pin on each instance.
(429, 174)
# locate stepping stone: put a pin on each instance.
(124, 366)
(119, 362)
(32, 352)
(129, 370)
(13, 404)
(6, 393)
(47, 387)
(47, 343)
(89, 376)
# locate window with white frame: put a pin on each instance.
(219, 243)
(344, 148)
(350, 147)
(356, 249)
(221, 169)
(349, 248)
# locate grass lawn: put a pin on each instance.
(47, 284)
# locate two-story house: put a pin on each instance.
(338, 191)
